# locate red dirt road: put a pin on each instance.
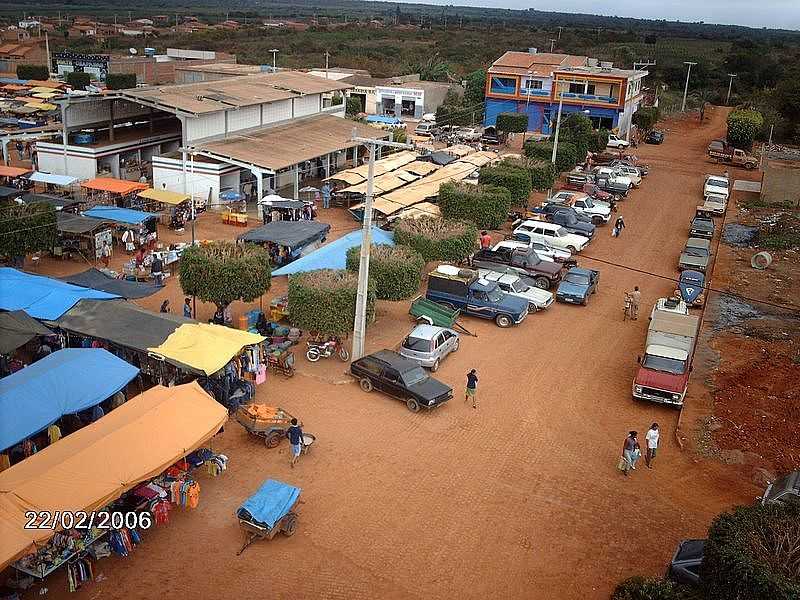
(518, 499)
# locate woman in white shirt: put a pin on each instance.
(652, 444)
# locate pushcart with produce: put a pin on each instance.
(270, 510)
(281, 361)
(270, 423)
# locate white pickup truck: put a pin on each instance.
(599, 212)
(615, 141)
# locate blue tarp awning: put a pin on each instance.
(383, 119)
(42, 297)
(272, 501)
(120, 215)
(64, 382)
(62, 180)
(333, 255)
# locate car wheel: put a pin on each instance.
(455, 345)
(272, 440)
(572, 249)
(435, 366)
(289, 525)
(343, 354)
(412, 405)
(366, 384)
(585, 301)
(543, 283)
(503, 321)
(597, 221)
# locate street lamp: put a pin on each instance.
(527, 102)
(558, 127)
(274, 59)
(730, 85)
(686, 87)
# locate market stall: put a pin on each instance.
(37, 396)
(60, 184)
(17, 328)
(68, 204)
(175, 209)
(99, 280)
(288, 240)
(143, 224)
(9, 174)
(276, 208)
(108, 190)
(81, 235)
(134, 464)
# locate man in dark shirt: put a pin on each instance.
(472, 388)
(157, 270)
(295, 435)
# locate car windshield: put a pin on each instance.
(667, 365)
(417, 344)
(532, 258)
(703, 223)
(561, 232)
(691, 280)
(414, 376)
(519, 287)
(577, 278)
(721, 183)
(699, 252)
(495, 295)
(588, 202)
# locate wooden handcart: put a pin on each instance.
(271, 510)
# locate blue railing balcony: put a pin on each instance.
(533, 92)
(590, 97)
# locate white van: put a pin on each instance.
(425, 128)
(552, 234)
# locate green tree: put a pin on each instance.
(511, 122)
(78, 80)
(25, 229)
(39, 72)
(395, 270)
(516, 179)
(743, 127)
(486, 206)
(475, 90)
(433, 69)
(353, 106)
(222, 272)
(642, 588)
(120, 81)
(325, 301)
(787, 96)
(437, 239)
(646, 118)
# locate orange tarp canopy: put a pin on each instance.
(116, 186)
(90, 468)
(12, 171)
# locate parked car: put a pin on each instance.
(548, 208)
(425, 128)
(702, 227)
(691, 285)
(631, 161)
(713, 205)
(617, 174)
(783, 489)
(470, 134)
(724, 153)
(629, 171)
(614, 141)
(716, 185)
(654, 137)
(595, 193)
(394, 375)
(685, 564)
(577, 285)
(513, 284)
(473, 177)
(524, 260)
(552, 234)
(544, 250)
(595, 210)
(696, 255)
(572, 221)
(490, 137)
(428, 345)
(429, 117)
(672, 305)
(463, 289)
(613, 185)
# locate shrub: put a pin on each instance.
(543, 175)
(486, 206)
(39, 72)
(396, 271)
(515, 179)
(743, 127)
(27, 228)
(542, 151)
(120, 81)
(576, 128)
(336, 99)
(353, 106)
(222, 272)
(512, 122)
(642, 588)
(437, 239)
(325, 301)
(646, 117)
(751, 553)
(566, 158)
(78, 80)
(598, 141)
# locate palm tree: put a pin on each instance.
(701, 98)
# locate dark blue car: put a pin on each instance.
(690, 287)
(577, 285)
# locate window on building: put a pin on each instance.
(533, 84)
(602, 122)
(503, 85)
(575, 88)
(590, 89)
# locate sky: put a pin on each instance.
(781, 14)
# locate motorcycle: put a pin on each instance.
(325, 349)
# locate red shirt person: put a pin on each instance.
(486, 240)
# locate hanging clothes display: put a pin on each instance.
(54, 433)
(79, 573)
(217, 464)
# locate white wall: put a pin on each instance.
(85, 113)
(205, 126)
(244, 118)
(307, 105)
(277, 111)
(82, 168)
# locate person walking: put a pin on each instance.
(326, 195)
(631, 452)
(105, 254)
(165, 306)
(157, 271)
(651, 437)
(187, 308)
(295, 435)
(486, 240)
(129, 238)
(619, 225)
(472, 388)
(636, 299)
(20, 150)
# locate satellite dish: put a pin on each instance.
(132, 50)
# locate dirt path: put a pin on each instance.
(517, 499)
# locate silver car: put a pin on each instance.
(428, 345)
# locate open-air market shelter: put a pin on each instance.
(17, 328)
(94, 466)
(42, 297)
(64, 382)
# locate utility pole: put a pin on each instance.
(360, 323)
(552, 45)
(327, 57)
(730, 85)
(559, 32)
(686, 87)
(47, 49)
(527, 103)
(274, 60)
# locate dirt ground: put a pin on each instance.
(517, 499)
